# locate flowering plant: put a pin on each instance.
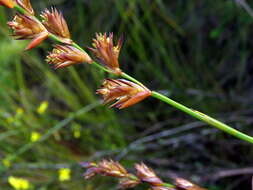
(122, 93)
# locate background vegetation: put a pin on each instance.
(197, 52)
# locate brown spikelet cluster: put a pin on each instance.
(66, 55)
(125, 93)
(55, 23)
(144, 174)
(27, 27)
(113, 169)
(107, 52)
(122, 93)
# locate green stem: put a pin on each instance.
(126, 76)
(19, 9)
(203, 117)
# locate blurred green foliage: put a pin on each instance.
(197, 52)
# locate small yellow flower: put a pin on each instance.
(10, 119)
(6, 162)
(43, 107)
(19, 183)
(76, 131)
(19, 111)
(35, 136)
(77, 134)
(64, 174)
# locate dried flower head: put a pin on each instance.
(129, 182)
(56, 24)
(125, 93)
(146, 174)
(113, 169)
(27, 27)
(26, 4)
(106, 168)
(183, 184)
(66, 55)
(7, 3)
(106, 52)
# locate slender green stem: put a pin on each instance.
(163, 98)
(126, 76)
(204, 118)
(19, 9)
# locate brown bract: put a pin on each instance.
(183, 184)
(55, 23)
(7, 3)
(66, 55)
(124, 92)
(106, 52)
(26, 4)
(128, 182)
(27, 27)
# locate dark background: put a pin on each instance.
(196, 52)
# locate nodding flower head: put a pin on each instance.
(55, 23)
(7, 3)
(27, 27)
(66, 55)
(106, 52)
(184, 184)
(26, 4)
(147, 175)
(124, 92)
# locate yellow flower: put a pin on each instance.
(35, 136)
(10, 119)
(64, 174)
(6, 162)
(43, 107)
(77, 134)
(76, 131)
(19, 183)
(19, 111)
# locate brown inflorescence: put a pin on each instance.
(27, 27)
(66, 55)
(128, 180)
(113, 169)
(26, 4)
(55, 23)
(124, 92)
(146, 174)
(183, 184)
(107, 52)
(7, 3)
